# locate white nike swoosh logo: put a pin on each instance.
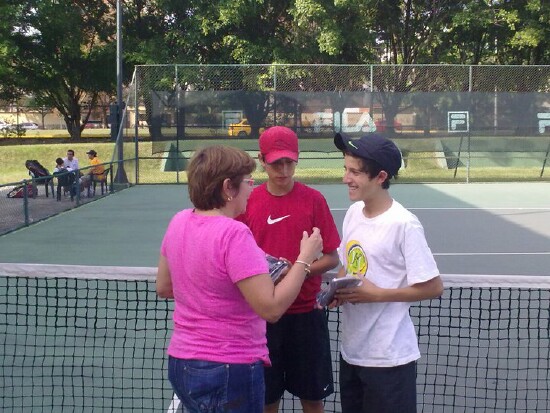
(275, 220)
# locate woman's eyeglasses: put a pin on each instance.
(249, 181)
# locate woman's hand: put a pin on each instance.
(285, 271)
(311, 246)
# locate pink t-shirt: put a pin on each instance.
(207, 256)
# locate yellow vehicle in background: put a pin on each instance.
(241, 129)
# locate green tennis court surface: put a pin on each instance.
(81, 328)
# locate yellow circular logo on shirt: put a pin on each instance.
(357, 260)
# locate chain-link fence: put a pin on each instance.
(19, 117)
(29, 201)
(452, 123)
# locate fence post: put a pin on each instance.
(77, 186)
(470, 88)
(468, 158)
(275, 93)
(545, 160)
(180, 126)
(136, 129)
(26, 202)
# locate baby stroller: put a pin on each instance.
(39, 174)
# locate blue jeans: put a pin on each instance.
(210, 387)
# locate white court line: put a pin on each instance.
(174, 405)
(467, 208)
(486, 208)
(460, 254)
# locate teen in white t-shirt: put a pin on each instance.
(384, 245)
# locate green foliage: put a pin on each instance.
(63, 53)
(8, 86)
(422, 164)
(511, 32)
(15, 156)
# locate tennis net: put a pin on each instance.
(97, 343)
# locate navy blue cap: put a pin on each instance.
(373, 147)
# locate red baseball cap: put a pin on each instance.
(279, 142)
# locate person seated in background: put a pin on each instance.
(70, 162)
(65, 179)
(60, 166)
(96, 172)
(97, 167)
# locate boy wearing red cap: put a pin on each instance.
(277, 213)
(384, 245)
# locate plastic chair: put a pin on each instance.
(65, 181)
(100, 179)
(48, 183)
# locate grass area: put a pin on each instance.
(14, 157)
(97, 133)
(423, 163)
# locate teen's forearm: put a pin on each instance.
(422, 291)
(326, 263)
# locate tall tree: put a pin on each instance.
(64, 54)
(527, 39)
(8, 85)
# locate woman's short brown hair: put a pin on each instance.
(207, 170)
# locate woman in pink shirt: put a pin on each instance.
(218, 277)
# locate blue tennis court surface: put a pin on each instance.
(471, 228)
(96, 342)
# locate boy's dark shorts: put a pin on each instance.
(377, 389)
(299, 349)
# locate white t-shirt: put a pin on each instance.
(391, 251)
(70, 165)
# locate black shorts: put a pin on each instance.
(299, 349)
(377, 389)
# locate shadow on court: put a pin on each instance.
(99, 344)
(471, 228)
